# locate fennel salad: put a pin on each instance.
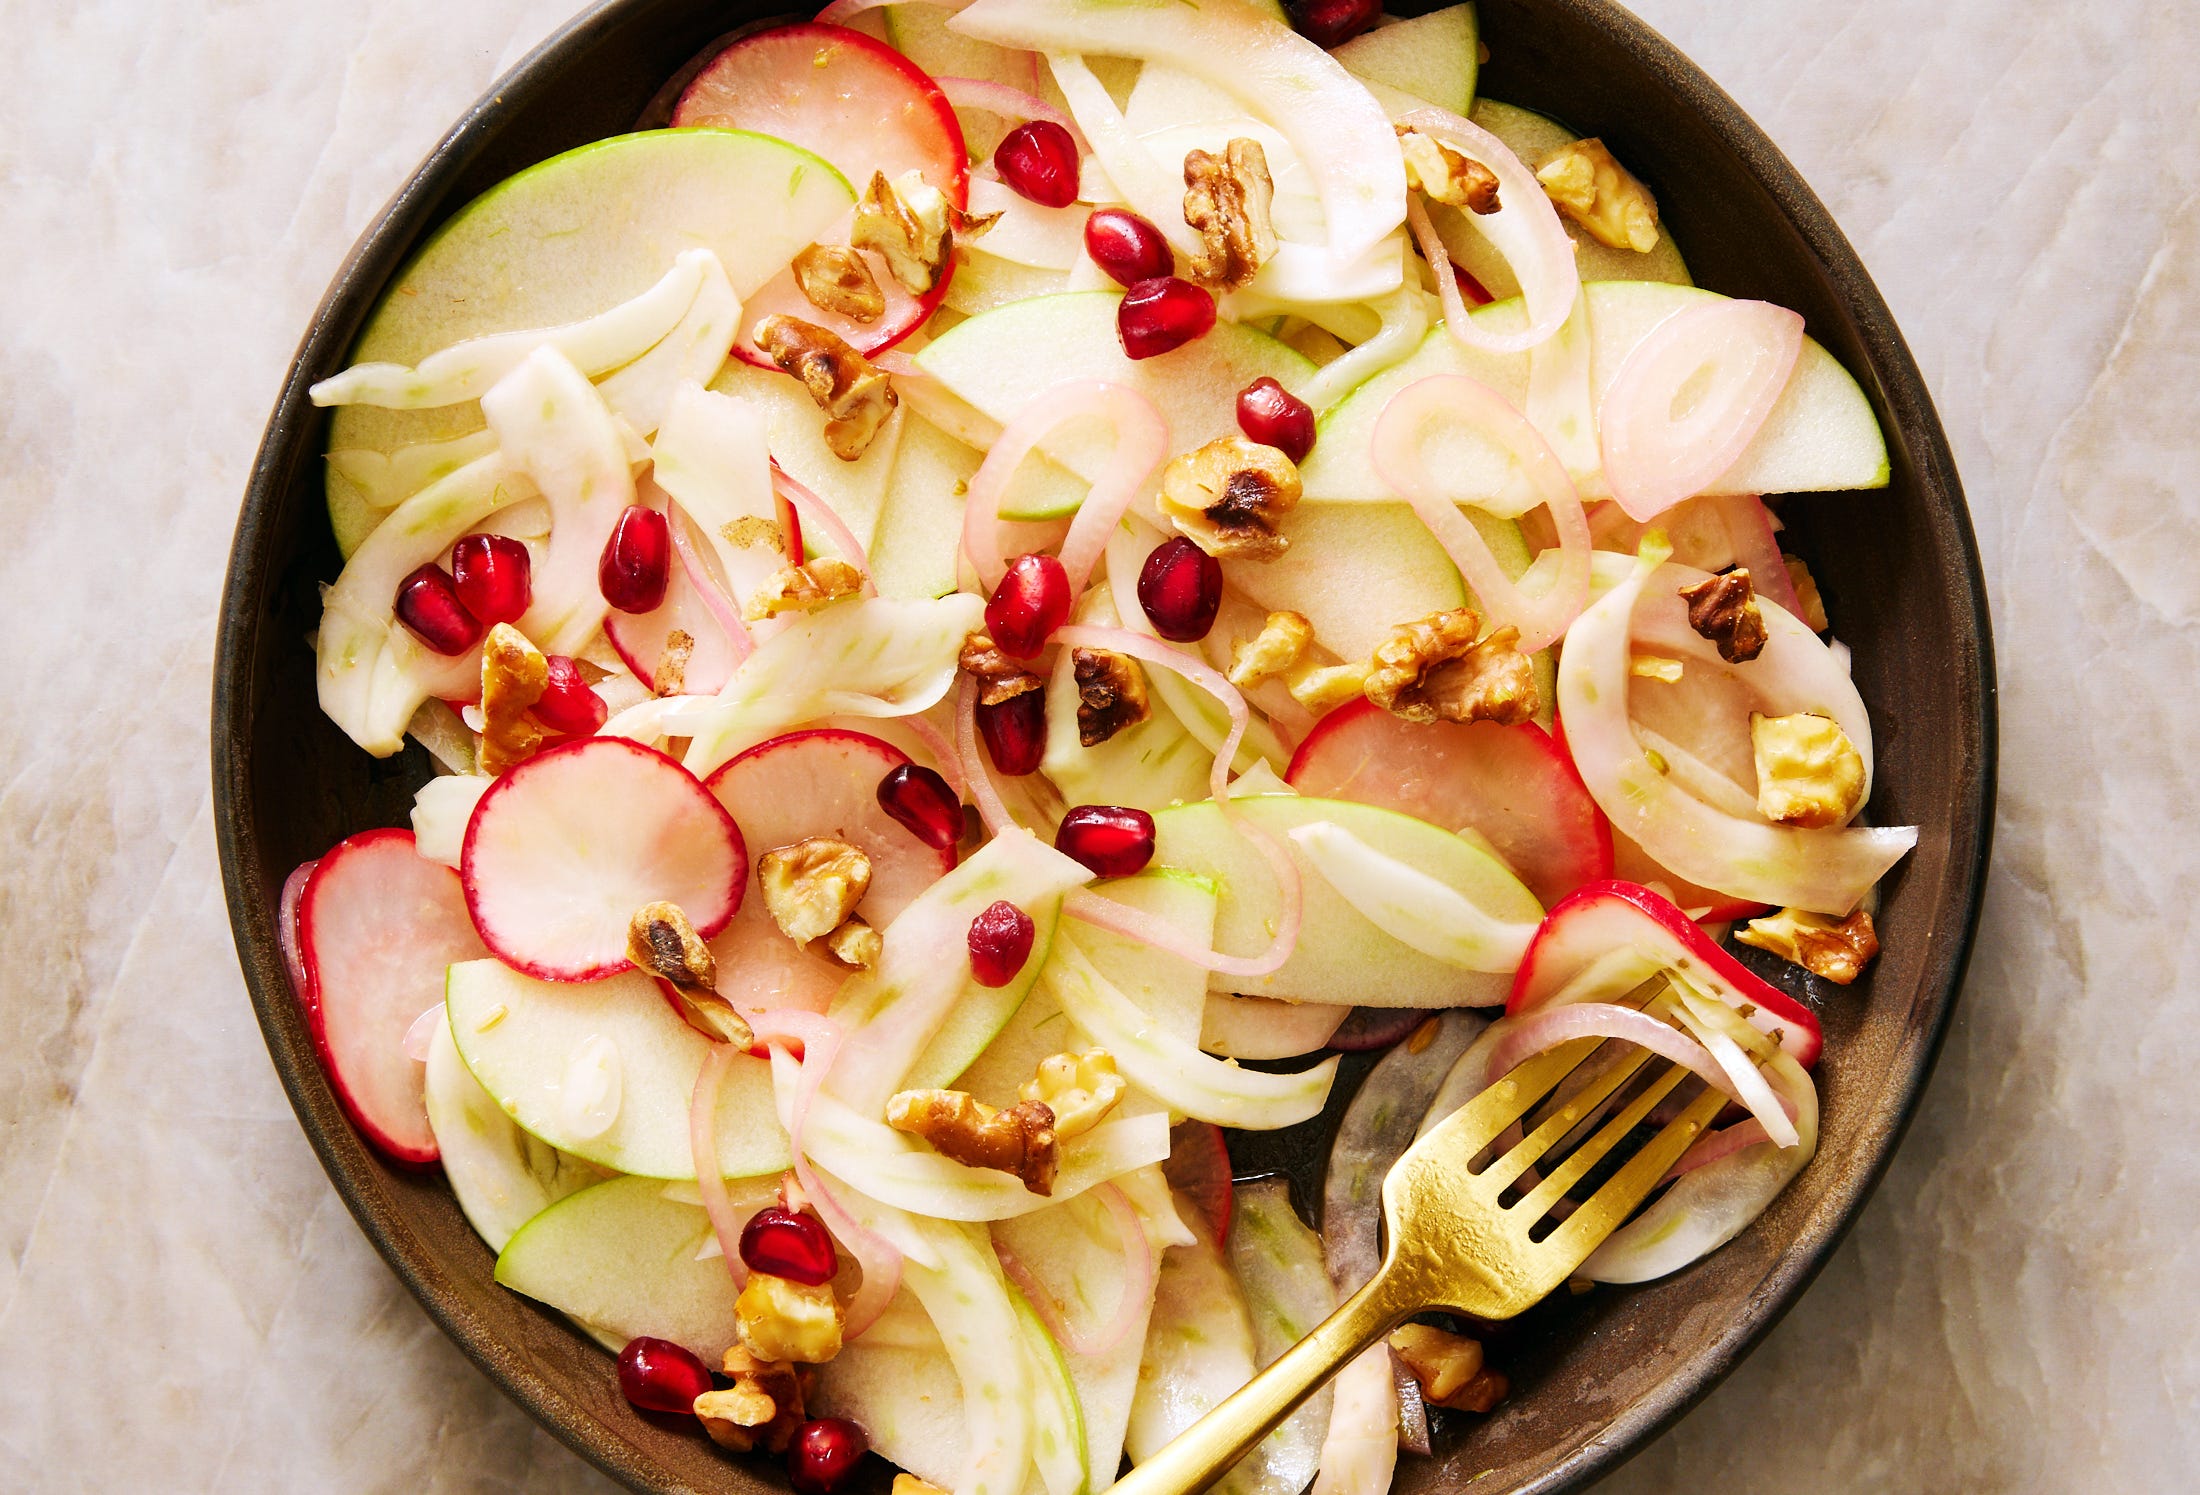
(986, 597)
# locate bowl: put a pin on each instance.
(1598, 1376)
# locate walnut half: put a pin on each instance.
(780, 1319)
(1227, 200)
(514, 674)
(911, 225)
(661, 941)
(1019, 1140)
(999, 677)
(1724, 610)
(1281, 643)
(1449, 1368)
(811, 887)
(761, 1409)
(1111, 694)
(1589, 186)
(1229, 496)
(1445, 175)
(1078, 1088)
(1438, 670)
(834, 278)
(855, 396)
(803, 589)
(1808, 772)
(1837, 949)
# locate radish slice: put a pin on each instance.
(816, 783)
(1688, 400)
(569, 844)
(378, 923)
(1513, 786)
(1397, 451)
(640, 638)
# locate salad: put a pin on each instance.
(986, 602)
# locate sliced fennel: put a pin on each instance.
(384, 480)
(1409, 905)
(979, 1326)
(1057, 1418)
(713, 455)
(502, 1176)
(1278, 1263)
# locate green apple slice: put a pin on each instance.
(502, 1176)
(919, 533)
(1433, 58)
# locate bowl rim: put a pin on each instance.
(385, 245)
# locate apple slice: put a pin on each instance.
(1513, 786)
(501, 1176)
(377, 925)
(1431, 58)
(568, 845)
(1262, 1028)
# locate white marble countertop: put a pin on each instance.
(186, 1306)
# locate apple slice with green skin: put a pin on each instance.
(919, 530)
(1431, 59)
(512, 259)
(1338, 945)
(1199, 1347)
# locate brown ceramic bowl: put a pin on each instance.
(1597, 1377)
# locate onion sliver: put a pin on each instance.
(814, 510)
(1009, 103)
(1749, 527)
(838, 13)
(1730, 360)
(1138, 1282)
(714, 600)
(983, 793)
(286, 935)
(1553, 1026)
(726, 1221)
(1141, 442)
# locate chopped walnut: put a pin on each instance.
(1227, 199)
(811, 887)
(855, 944)
(1078, 1088)
(1806, 593)
(1281, 643)
(1724, 610)
(912, 226)
(779, 1319)
(906, 1483)
(999, 677)
(1837, 949)
(1445, 175)
(513, 675)
(1449, 1368)
(855, 396)
(803, 589)
(1228, 496)
(1327, 687)
(1808, 772)
(1111, 694)
(661, 941)
(762, 1409)
(834, 278)
(1019, 1140)
(1436, 670)
(1601, 195)
(672, 664)
(1656, 667)
(751, 530)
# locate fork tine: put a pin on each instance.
(1482, 1120)
(1577, 1163)
(1608, 1208)
(1522, 1156)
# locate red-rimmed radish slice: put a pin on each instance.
(569, 844)
(820, 782)
(1199, 1168)
(863, 107)
(378, 923)
(1690, 397)
(1513, 786)
(1607, 938)
(640, 638)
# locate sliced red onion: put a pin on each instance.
(421, 1034)
(715, 601)
(726, 1221)
(286, 935)
(1138, 1282)
(1009, 103)
(1552, 1026)
(1749, 526)
(943, 753)
(815, 510)
(983, 793)
(1712, 1146)
(1738, 354)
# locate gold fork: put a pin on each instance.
(1452, 1243)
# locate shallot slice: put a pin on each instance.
(815, 510)
(726, 1220)
(1138, 1282)
(1749, 527)
(1552, 1026)
(1141, 443)
(714, 599)
(1008, 103)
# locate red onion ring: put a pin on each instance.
(1756, 547)
(818, 512)
(1141, 444)
(1009, 103)
(726, 1221)
(286, 935)
(715, 602)
(1552, 1026)
(982, 792)
(1138, 1282)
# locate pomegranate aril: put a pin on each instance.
(1111, 840)
(637, 561)
(1160, 315)
(1039, 161)
(1127, 246)
(428, 604)
(1273, 416)
(921, 801)
(1000, 943)
(824, 1453)
(1180, 587)
(1029, 604)
(1332, 23)
(659, 1376)
(493, 574)
(569, 705)
(1015, 732)
(781, 1243)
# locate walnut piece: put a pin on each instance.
(661, 941)
(1445, 175)
(752, 530)
(855, 396)
(833, 278)
(1837, 949)
(1111, 694)
(911, 225)
(1228, 496)
(1808, 772)
(1601, 195)
(672, 664)
(811, 887)
(1078, 1088)
(1281, 643)
(1437, 670)
(1724, 610)
(762, 1409)
(779, 1319)
(1019, 1140)
(1656, 667)
(1227, 199)
(855, 944)
(1449, 1368)
(1327, 687)
(1806, 593)
(999, 677)
(513, 675)
(803, 589)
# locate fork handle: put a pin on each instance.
(1207, 1450)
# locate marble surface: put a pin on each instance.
(184, 1304)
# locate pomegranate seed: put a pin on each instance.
(1039, 161)
(492, 573)
(637, 561)
(1180, 587)
(1000, 943)
(1015, 732)
(1030, 603)
(1332, 23)
(824, 1453)
(428, 604)
(568, 705)
(658, 1375)
(1272, 415)
(921, 802)
(1162, 314)
(1112, 840)
(782, 1243)
(1127, 246)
